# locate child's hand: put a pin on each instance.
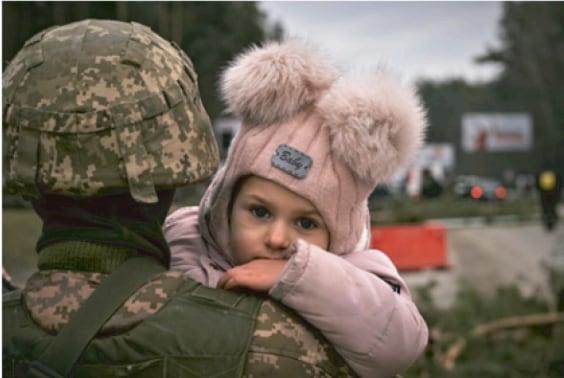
(258, 275)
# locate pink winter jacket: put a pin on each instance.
(352, 299)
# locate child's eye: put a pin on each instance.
(306, 223)
(259, 211)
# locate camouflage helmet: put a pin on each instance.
(98, 107)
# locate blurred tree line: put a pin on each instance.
(530, 55)
(531, 58)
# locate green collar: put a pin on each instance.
(82, 256)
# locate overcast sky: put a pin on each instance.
(434, 40)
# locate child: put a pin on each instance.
(287, 214)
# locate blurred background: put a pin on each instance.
(464, 222)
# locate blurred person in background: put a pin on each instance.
(549, 186)
(430, 186)
(102, 121)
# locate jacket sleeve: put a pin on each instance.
(188, 250)
(354, 301)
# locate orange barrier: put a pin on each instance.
(412, 247)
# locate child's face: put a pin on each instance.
(266, 218)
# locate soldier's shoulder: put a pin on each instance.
(53, 296)
(283, 342)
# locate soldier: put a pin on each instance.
(101, 121)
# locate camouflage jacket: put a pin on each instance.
(171, 327)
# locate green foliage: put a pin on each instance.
(532, 80)
(404, 210)
(216, 32)
(522, 352)
(532, 39)
(446, 102)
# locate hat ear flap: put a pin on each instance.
(375, 125)
(273, 83)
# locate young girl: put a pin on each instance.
(287, 214)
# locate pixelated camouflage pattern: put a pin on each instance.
(301, 348)
(99, 106)
(198, 332)
(53, 296)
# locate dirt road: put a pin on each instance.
(487, 256)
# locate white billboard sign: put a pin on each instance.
(496, 132)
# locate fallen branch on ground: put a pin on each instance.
(518, 322)
(448, 361)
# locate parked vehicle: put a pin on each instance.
(479, 188)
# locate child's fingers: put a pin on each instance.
(223, 282)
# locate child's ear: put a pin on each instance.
(269, 84)
(376, 125)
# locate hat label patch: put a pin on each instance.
(291, 161)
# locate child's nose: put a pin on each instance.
(279, 236)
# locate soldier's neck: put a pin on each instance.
(82, 256)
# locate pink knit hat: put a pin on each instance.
(328, 140)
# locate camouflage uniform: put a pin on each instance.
(101, 107)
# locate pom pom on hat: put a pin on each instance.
(375, 125)
(272, 83)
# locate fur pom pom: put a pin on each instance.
(375, 126)
(272, 83)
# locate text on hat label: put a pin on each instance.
(291, 161)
